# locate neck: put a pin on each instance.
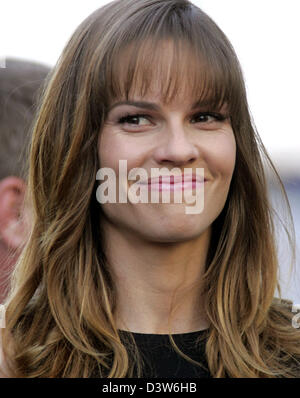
(158, 284)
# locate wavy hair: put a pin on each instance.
(60, 316)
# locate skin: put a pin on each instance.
(161, 250)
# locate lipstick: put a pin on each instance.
(174, 182)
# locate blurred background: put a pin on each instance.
(265, 35)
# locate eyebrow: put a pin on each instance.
(152, 106)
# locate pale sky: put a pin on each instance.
(264, 33)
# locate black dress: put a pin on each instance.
(161, 360)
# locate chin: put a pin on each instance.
(173, 234)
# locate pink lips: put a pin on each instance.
(174, 183)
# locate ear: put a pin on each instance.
(13, 226)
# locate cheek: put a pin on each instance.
(221, 155)
(108, 150)
(113, 147)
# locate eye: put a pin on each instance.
(133, 119)
(208, 117)
(142, 120)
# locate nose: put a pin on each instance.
(176, 146)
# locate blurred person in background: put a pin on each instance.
(20, 84)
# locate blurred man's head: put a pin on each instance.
(21, 84)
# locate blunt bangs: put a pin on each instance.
(175, 56)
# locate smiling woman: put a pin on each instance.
(144, 289)
(172, 137)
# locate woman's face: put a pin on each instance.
(178, 135)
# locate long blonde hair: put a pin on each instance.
(60, 316)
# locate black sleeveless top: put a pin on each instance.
(161, 360)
